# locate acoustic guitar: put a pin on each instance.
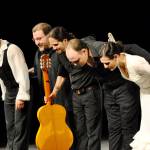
(53, 132)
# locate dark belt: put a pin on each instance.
(85, 89)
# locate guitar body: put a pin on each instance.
(53, 133)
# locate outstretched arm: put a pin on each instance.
(59, 83)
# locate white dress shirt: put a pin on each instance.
(19, 69)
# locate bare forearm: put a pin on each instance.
(59, 82)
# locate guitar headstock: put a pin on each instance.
(45, 62)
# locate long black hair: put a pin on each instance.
(60, 33)
(110, 48)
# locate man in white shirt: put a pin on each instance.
(15, 86)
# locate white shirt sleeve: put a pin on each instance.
(3, 89)
(19, 69)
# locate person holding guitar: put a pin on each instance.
(86, 90)
(40, 37)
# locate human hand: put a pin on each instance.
(19, 104)
(50, 98)
(31, 70)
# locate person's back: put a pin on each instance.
(135, 49)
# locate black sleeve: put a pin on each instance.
(134, 49)
(95, 46)
(102, 72)
(65, 66)
(62, 71)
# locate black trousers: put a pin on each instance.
(87, 112)
(17, 123)
(122, 104)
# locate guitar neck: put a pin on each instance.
(46, 80)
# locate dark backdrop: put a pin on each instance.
(128, 22)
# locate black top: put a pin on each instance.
(64, 96)
(135, 49)
(6, 73)
(79, 76)
(37, 69)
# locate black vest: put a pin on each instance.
(6, 73)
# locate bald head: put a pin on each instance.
(76, 51)
(77, 44)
